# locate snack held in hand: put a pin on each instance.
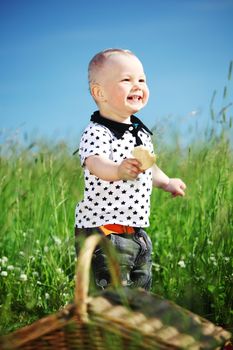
(144, 156)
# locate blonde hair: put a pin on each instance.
(98, 61)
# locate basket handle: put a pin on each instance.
(83, 270)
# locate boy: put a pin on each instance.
(117, 193)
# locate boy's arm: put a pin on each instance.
(107, 170)
(175, 186)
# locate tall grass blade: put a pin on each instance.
(230, 70)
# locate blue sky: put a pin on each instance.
(45, 46)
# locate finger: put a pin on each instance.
(132, 176)
(132, 168)
(183, 186)
(135, 170)
(178, 193)
(134, 161)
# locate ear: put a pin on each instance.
(97, 92)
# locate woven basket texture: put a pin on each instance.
(116, 318)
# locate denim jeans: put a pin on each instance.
(134, 256)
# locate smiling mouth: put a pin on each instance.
(134, 98)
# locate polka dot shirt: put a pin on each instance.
(122, 202)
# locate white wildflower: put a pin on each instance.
(46, 249)
(4, 260)
(65, 295)
(57, 240)
(47, 296)
(21, 253)
(59, 270)
(226, 258)
(212, 258)
(23, 277)
(181, 263)
(35, 274)
(4, 273)
(37, 241)
(10, 267)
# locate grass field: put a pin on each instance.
(192, 236)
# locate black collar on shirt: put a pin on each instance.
(118, 129)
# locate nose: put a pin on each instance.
(136, 85)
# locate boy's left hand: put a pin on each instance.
(176, 187)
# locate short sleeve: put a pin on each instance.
(95, 140)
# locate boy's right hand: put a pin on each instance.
(129, 169)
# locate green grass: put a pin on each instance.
(192, 236)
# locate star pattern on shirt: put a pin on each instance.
(123, 201)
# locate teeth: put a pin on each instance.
(135, 97)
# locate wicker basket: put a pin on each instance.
(117, 318)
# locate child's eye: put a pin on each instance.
(142, 80)
(125, 79)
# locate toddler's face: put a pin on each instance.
(124, 87)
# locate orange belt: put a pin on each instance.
(115, 228)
